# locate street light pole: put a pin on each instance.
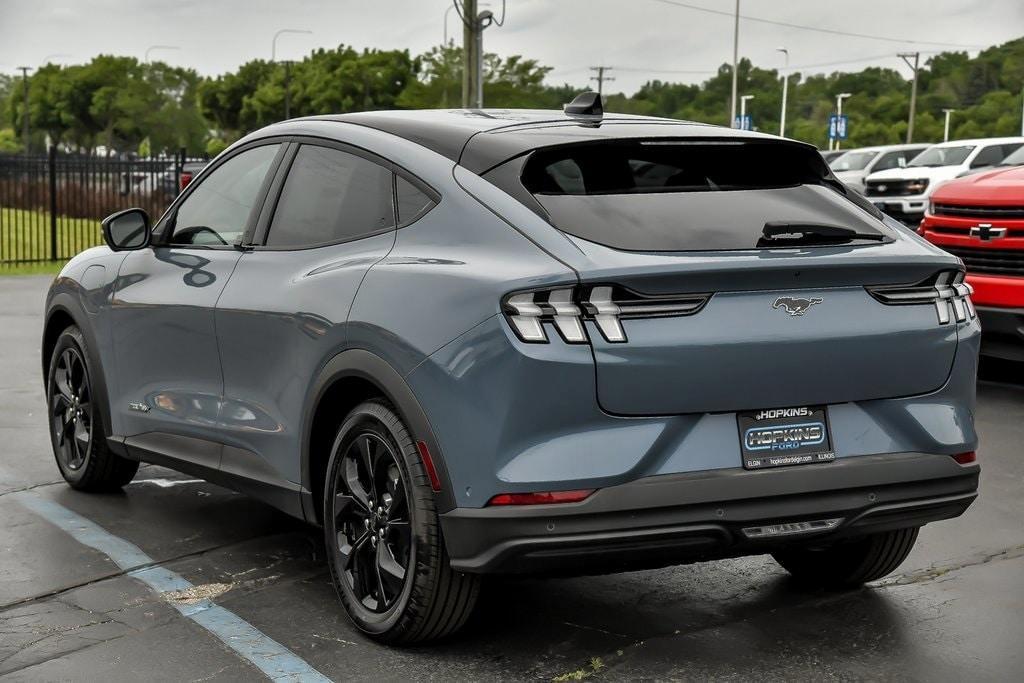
(785, 92)
(287, 68)
(273, 42)
(158, 47)
(945, 128)
(24, 112)
(743, 109)
(287, 89)
(55, 55)
(735, 63)
(839, 114)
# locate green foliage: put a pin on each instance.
(215, 146)
(111, 101)
(116, 102)
(9, 143)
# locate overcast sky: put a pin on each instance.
(640, 39)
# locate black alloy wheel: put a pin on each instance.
(76, 420)
(71, 409)
(373, 531)
(385, 547)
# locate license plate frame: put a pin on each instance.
(785, 437)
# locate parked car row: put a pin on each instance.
(966, 196)
(899, 179)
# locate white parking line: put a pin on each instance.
(276, 661)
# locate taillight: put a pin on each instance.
(185, 179)
(542, 498)
(966, 458)
(567, 308)
(946, 291)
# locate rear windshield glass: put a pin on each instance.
(666, 195)
(942, 156)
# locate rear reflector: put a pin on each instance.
(541, 498)
(428, 465)
(966, 458)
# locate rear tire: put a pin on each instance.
(849, 564)
(384, 546)
(76, 426)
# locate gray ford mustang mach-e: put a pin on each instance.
(479, 342)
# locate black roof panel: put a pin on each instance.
(480, 139)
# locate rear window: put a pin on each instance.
(667, 195)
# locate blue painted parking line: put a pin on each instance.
(276, 661)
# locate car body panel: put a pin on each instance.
(165, 340)
(231, 350)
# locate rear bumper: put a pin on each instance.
(673, 519)
(1003, 330)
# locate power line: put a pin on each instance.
(835, 32)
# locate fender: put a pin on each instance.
(368, 366)
(66, 303)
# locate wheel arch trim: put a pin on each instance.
(367, 366)
(65, 304)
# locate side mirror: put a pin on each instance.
(126, 230)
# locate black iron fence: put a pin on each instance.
(51, 205)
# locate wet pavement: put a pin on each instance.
(953, 611)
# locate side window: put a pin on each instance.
(412, 201)
(988, 156)
(217, 211)
(331, 196)
(893, 160)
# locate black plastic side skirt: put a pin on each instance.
(234, 468)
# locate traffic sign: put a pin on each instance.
(838, 127)
(744, 122)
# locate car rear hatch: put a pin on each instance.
(725, 276)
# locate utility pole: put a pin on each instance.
(945, 128)
(905, 56)
(600, 77)
(785, 92)
(735, 64)
(470, 59)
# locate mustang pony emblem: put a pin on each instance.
(795, 306)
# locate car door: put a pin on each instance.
(283, 314)
(168, 371)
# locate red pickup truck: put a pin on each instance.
(980, 218)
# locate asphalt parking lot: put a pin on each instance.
(68, 610)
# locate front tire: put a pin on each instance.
(76, 424)
(384, 546)
(849, 564)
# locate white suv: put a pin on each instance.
(857, 164)
(903, 192)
